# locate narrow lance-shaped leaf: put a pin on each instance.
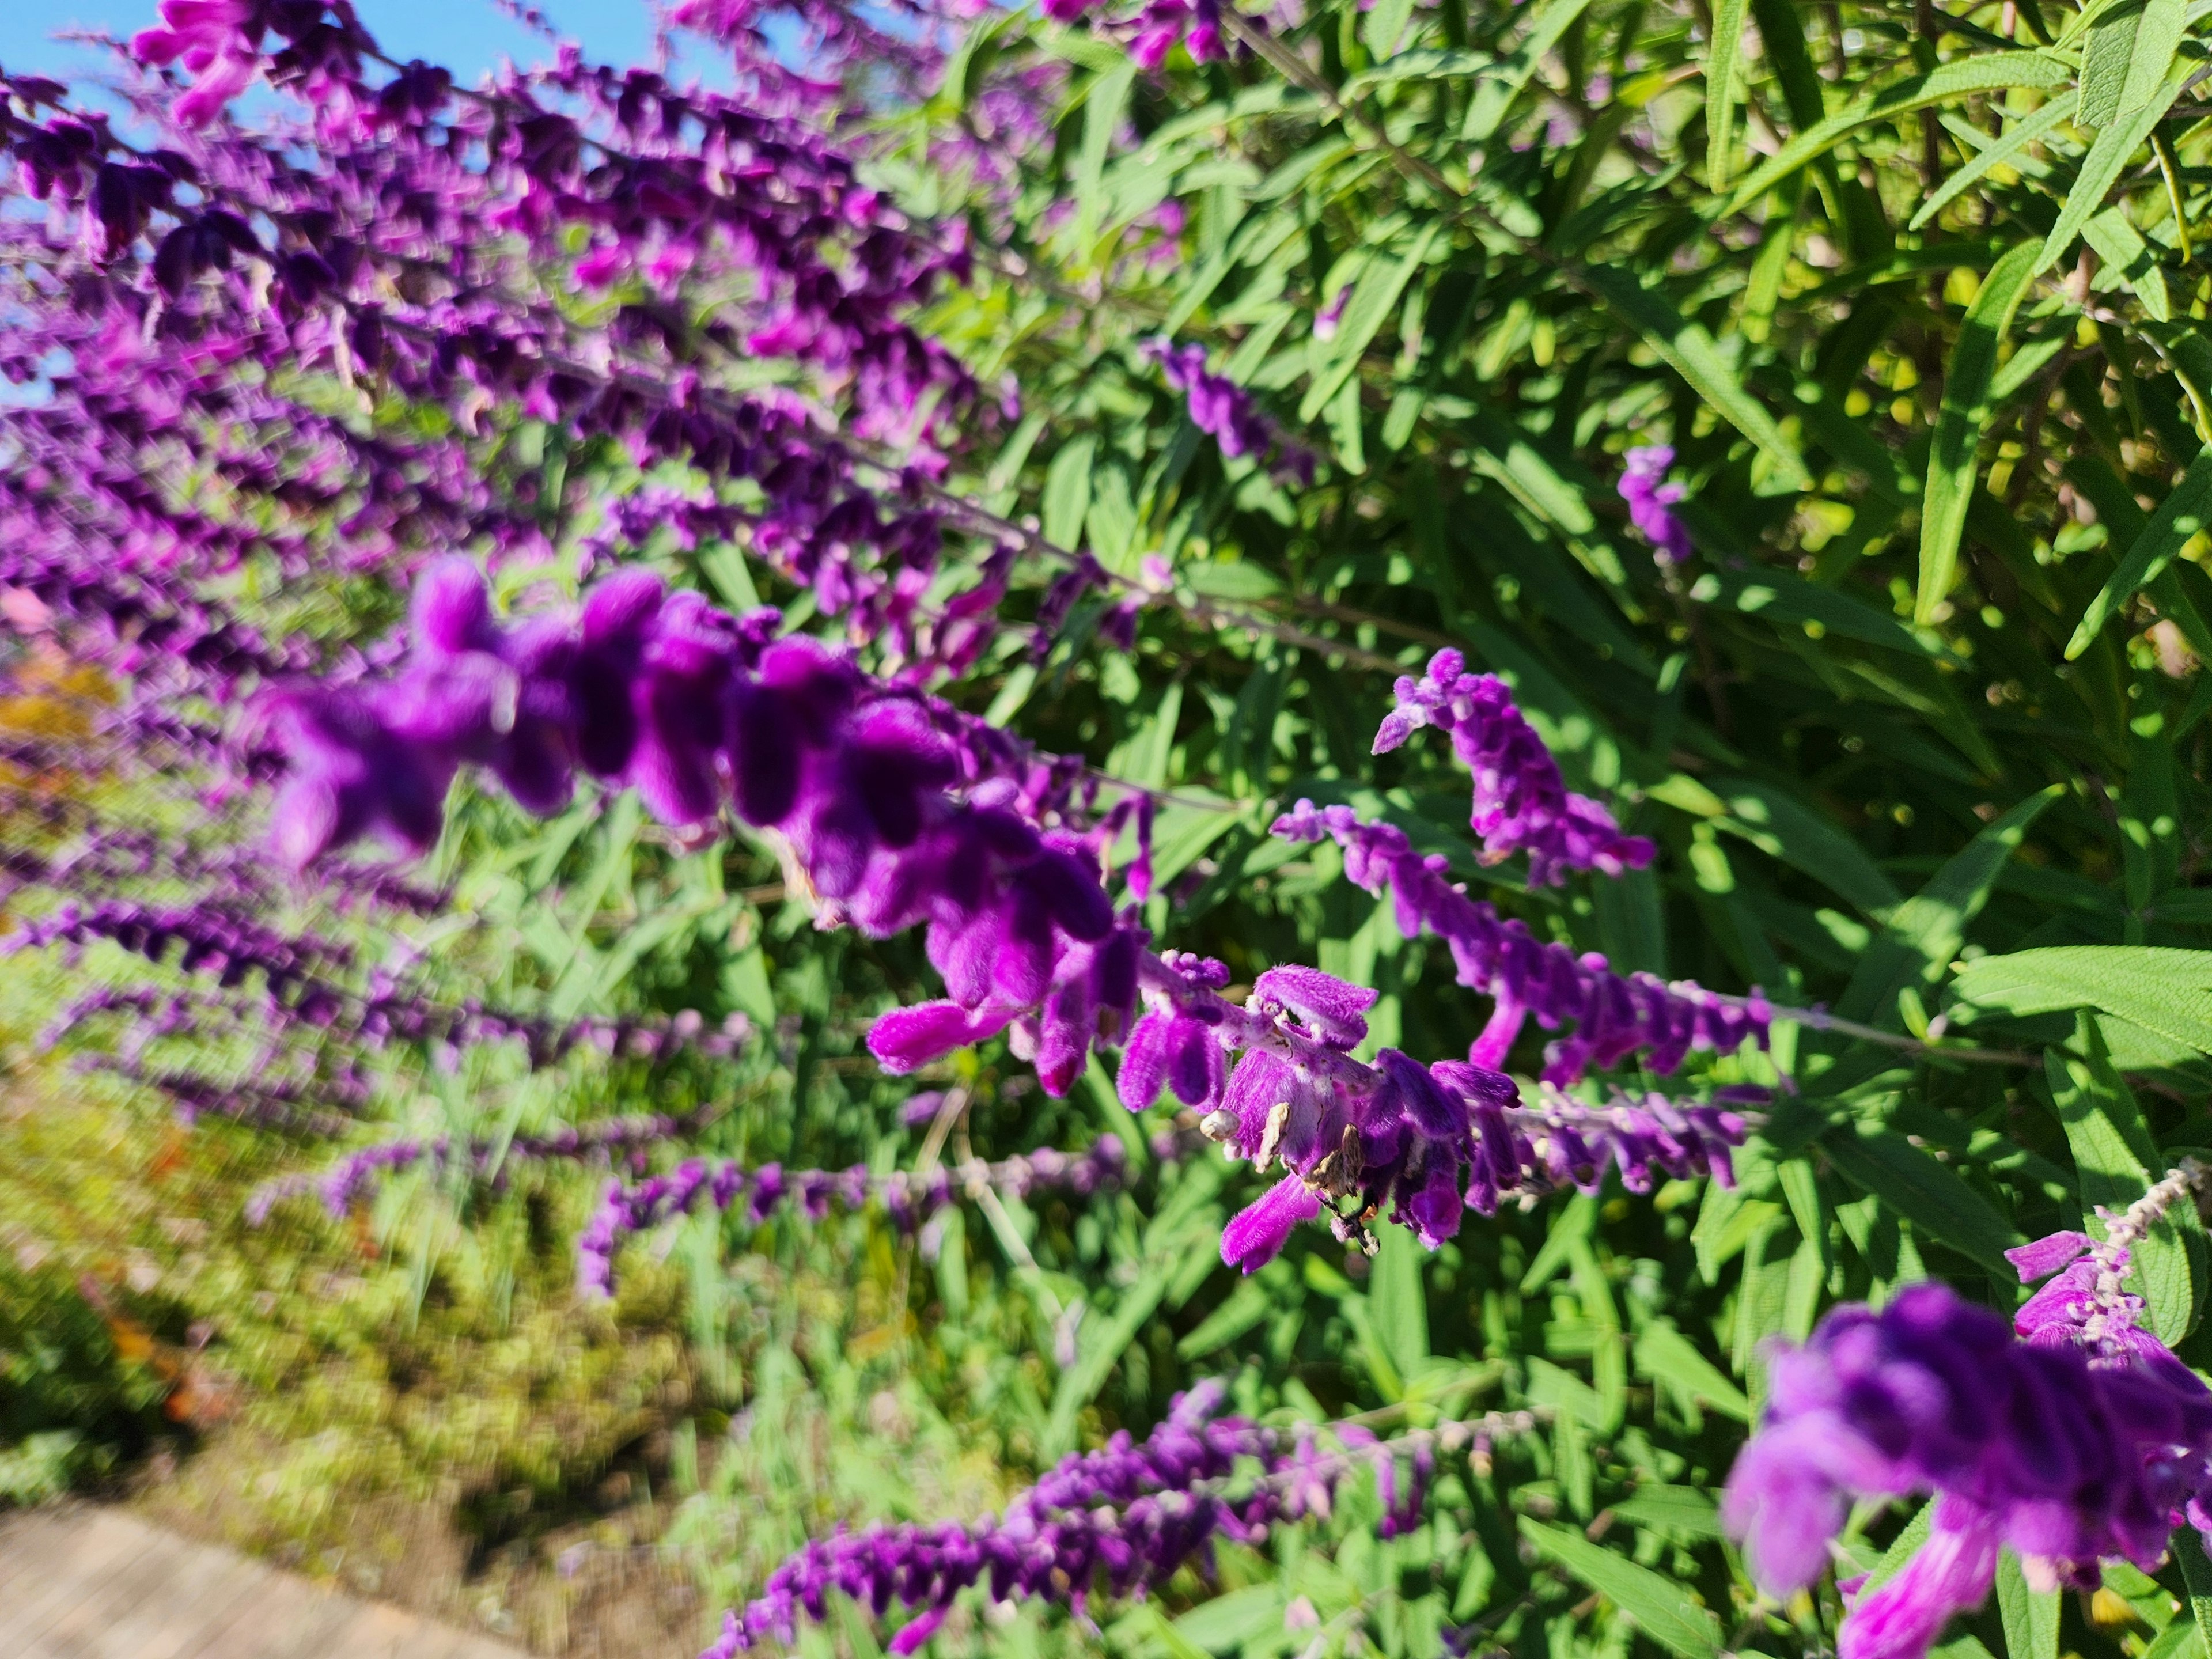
(1933, 1196)
(2129, 49)
(2184, 512)
(1952, 456)
(2018, 134)
(1661, 1607)
(1724, 57)
(2030, 1616)
(1924, 934)
(2167, 992)
(1694, 354)
(1992, 72)
(2102, 168)
(1110, 97)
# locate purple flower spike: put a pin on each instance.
(216, 39)
(2068, 1453)
(2087, 1303)
(910, 1201)
(1218, 405)
(1614, 1017)
(1521, 804)
(1650, 498)
(1122, 1519)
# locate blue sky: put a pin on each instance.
(467, 36)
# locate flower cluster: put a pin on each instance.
(1521, 804)
(1650, 498)
(2088, 1303)
(100, 854)
(387, 1012)
(218, 41)
(2066, 1452)
(212, 940)
(378, 242)
(1125, 1517)
(1423, 1143)
(1220, 407)
(907, 1200)
(1613, 1016)
(698, 710)
(321, 1108)
(358, 1171)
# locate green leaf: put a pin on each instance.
(1559, 1390)
(2105, 59)
(1102, 117)
(2020, 132)
(1724, 59)
(1951, 457)
(1397, 1301)
(2166, 992)
(1102, 1346)
(1903, 1548)
(1245, 1307)
(1790, 601)
(1685, 1511)
(2129, 49)
(2189, 1549)
(1067, 492)
(2179, 1640)
(1550, 20)
(2186, 510)
(1694, 354)
(1570, 1226)
(1178, 1644)
(1385, 27)
(1664, 1355)
(1987, 73)
(1232, 1620)
(2031, 1617)
(1183, 834)
(1785, 828)
(1660, 1606)
(1925, 933)
(1373, 297)
(2126, 259)
(1928, 1194)
(2101, 168)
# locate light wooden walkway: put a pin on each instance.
(79, 1582)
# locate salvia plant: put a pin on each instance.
(835, 664)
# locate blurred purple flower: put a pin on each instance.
(1649, 499)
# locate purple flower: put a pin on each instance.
(1121, 1519)
(2065, 1453)
(217, 40)
(908, 1201)
(1331, 1010)
(1330, 316)
(1648, 500)
(1614, 1017)
(1521, 804)
(1257, 1233)
(1421, 1143)
(1217, 404)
